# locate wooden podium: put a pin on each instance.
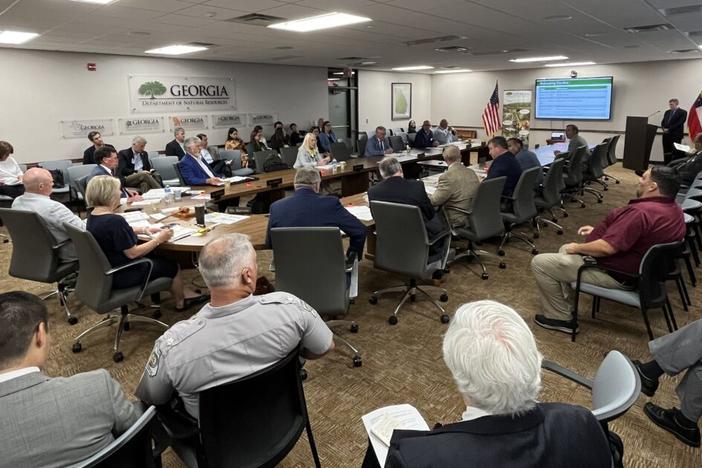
(638, 143)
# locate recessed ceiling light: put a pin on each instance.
(558, 18)
(315, 23)
(700, 46)
(457, 70)
(177, 49)
(414, 67)
(341, 73)
(539, 59)
(99, 2)
(569, 64)
(16, 37)
(368, 63)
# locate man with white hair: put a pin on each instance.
(493, 358)
(39, 184)
(456, 188)
(135, 168)
(194, 169)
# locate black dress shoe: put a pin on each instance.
(648, 385)
(668, 420)
(565, 326)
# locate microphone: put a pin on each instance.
(657, 112)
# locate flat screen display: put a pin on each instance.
(574, 98)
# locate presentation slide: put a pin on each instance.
(574, 98)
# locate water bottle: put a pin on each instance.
(168, 197)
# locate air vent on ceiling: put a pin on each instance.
(683, 10)
(497, 52)
(431, 40)
(256, 19)
(684, 51)
(201, 44)
(362, 64)
(694, 34)
(352, 59)
(452, 49)
(649, 28)
(285, 57)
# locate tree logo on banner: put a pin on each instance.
(152, 88)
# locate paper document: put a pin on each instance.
(134, 216)
(683, 148)
(382, 422)
(361, 212)
(160, 193)
(429, 189)
(223, 218)
(179, 232)
(236, 179)
(146, 202)
(203, 196)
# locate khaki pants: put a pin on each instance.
(554, 272)
(142, 180)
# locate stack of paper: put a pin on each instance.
(236, 179)
(135, 217)
(146, 202)
(381, 423)
(361, 212)
(683, 148)
(223, 218)
(157, 194)
(180, 232)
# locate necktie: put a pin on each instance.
(382, 147)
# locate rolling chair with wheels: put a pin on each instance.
(485, 222)
(94, 289)
(35, 254)
(76, 172)
(523, 210)
(362, 142)
(163, 165)
(59, 165)
(397, 144)
(339, 151)
(303, 255)
(549, 196)
(595, 172)
(573, 177)
(612, 157)
(289, 154)
(235, 165)
(260, 157)
(403, 247)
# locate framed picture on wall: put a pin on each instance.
(401, 101)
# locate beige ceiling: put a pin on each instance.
(595, 30)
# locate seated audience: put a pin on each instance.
(107, 161)
(306, 208)
(235, 143)
(379, 145)
(51, 421)
(97, 143)
(176, 147)
(235, 335)
(135, 168)
(279, 139)
(619, 242)
(194, 169)
(308, 153)
(258, 128)
(320, 124)
(526, 159)
(411, 127)
(443, 133)
(295, 137)
(672, 354)
(119, 242)
(10, 172)
(38, 185)
(257, 142)
(504, 164)
(211, 156)
(496, 366)
(689, 167)
(575, 141)
(279, 125)
(425, 137)
(326, 138)
(455, 188)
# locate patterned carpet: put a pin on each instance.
(403, 363)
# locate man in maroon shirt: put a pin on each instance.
(619, 242)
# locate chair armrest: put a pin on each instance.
(591, 262)
(440, 236)
(567, 373)
(178, 424)
(139, 261)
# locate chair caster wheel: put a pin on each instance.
(605, 189)
(72, 320)
(303, 374)
(599, 200)
(616, 182)
(443, 297)
(582, 205)
(502, 266)
(77, 347)
(413, 298)
(501, 253)
(536, 235)
(353, 328)
(444, 318)
(559, 232)
(118, 356)
(373, 300)
(534, 251)
(126, 326)
(157, 314)
(484, 276)
(392, 320)
(357, 361)
(565, 215)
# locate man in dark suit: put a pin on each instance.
(134, 166)
(51, 421)
(673, 126)
(425, 137)
(503, 424)
(107, 161)
(176, 147)
(306, 208)
(97, 143)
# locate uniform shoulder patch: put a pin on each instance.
(277, 298)
(154, 361)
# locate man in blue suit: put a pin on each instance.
(194, 169)
(306, 208)
(379, 145)
(425, 137)
(107, 161)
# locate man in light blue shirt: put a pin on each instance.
(443, 133)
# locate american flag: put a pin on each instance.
(491, 114)
(694, 119)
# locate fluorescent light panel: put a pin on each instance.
(98, 2)
(413, 67)
(16, 37)
(176, 49)
(315, 23)
(539, 59)
(569, 64)
(457, 70)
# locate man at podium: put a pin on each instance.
(673, 126)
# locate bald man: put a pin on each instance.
(38, 185)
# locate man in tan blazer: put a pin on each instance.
(456, 188)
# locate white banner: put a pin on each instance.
(141, 125)
(228, 120)
(180, 93)
(81, 128)
(262, 119)
(189, 122)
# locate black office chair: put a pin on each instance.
(573, 176)
(181, 181)
(255, 421)
(260, 157)
(362, 142)
(163, 165)
(133, 448)
(397, 144)
(612, 156)
(289, 154)
(650, 292)
(76, 172)
(234, 156)
(595, 171)
(94, 289)
(523, 210)
(303, 255)
(35, 255)
(485, 222)
(403, 247)
(549, 197)
(339, 151)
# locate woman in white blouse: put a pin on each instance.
(308, 153)
(10, 172)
